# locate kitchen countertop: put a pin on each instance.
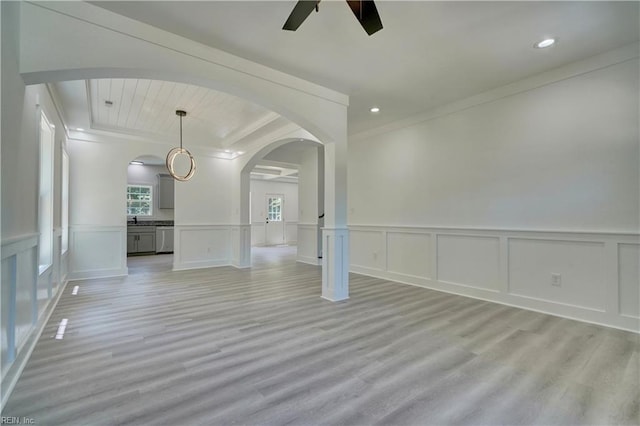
(150, 223)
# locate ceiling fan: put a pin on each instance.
(364, 10)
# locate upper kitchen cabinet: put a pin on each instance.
(165, 191)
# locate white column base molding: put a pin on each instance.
(335, 264)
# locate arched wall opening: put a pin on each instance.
(310, 198)
(58, 42)
(150, 215)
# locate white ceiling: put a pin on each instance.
(429, 53)
(147, 107)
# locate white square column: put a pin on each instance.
(335, 235)
(335, 264)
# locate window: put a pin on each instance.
(139, 200)
(65, 202)
(274, 206)
(45, 199)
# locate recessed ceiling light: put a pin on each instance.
(240, 152)
(80, 129)
(375, 109)
(547, 42)
(227, 150)
(137, 163)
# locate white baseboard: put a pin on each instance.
(309, 260)
(550, 308)
(201, 264)
(98, 273)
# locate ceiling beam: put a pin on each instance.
(248, 130)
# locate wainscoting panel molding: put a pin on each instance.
(241, 245)
(98, 252)
(367, 249)
(588, 276)
(409, 254)
(629, 279)
(307, 235)
(258, 235)
(469, 260)
(291, 233)
(28, 298)
(578, 265)
(202, 246)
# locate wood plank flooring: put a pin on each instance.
(260, 347)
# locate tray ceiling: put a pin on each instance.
(147, 107)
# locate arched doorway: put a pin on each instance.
(58, 42)
(307, 157)
(150, 215)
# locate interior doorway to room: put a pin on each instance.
(150, 216)
(285, 200)
(274, 210)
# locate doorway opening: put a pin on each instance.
(286, 199)
(150, 216)
(273, 210)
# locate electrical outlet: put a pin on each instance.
(556, 280)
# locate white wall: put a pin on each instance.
(461, 202)
(97, 213)
(561, 157)
(145, 174)
(259, 191)
(202, 213)
(27, 295)
(203, 224)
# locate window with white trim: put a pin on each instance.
(45, 199)
(139, 200)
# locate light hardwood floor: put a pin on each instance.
(260, 347)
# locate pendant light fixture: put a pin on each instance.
(171, 156)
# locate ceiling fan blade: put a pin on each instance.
(300, 12)
(367, 14)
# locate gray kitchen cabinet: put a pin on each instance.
(141, 239)
(132, 243)
(146, 243)
(166, 186)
